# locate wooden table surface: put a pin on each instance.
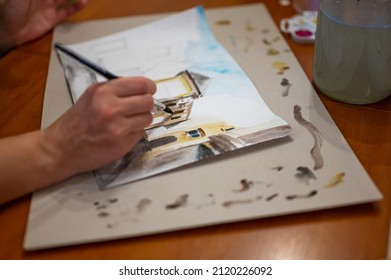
(354, 232)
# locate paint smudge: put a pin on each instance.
(272, 51)
(113, 200)
(267, 42)
(337, 179)
(280, 66)
(232, 38)
(287, 85)
(305, 174)
(249, 26)
(179, 202)
(276, 39)
(245, 185)
(230, 203)
(271, 197)
(318, 138)
(223, 22)
(103, 214)
(143, 204)
(309, 195)
(100, 207)
(278, 168)
(265, 31)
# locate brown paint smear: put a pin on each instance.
(314, 131)
(143, 204)
(245, 185)
(273, 196)
(309, 195)
(223, 22)
(230, 203)
(180, 202)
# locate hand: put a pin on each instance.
(104, 124)
(26, 20)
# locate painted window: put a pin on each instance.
(196, 133)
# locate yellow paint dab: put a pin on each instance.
(280, 66)
(276, 39)
(272, 51)
(337, 179)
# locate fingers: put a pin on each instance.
(131, 124)
(125, 103)
(137, 104)
(132, 86)
(66, 8)
(103, 99)
(127, 96)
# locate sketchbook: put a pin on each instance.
(310, 169)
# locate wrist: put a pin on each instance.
(55, 160)
(30, 165)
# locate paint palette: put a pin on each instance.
(301, 27)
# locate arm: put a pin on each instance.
(105, 123)
(22, 21)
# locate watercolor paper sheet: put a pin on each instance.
(216, 107)
(312, 168)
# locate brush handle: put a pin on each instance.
(102, 71)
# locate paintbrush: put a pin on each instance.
(104, 72)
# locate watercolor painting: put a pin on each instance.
(216, 108)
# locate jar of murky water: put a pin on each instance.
(352, 59)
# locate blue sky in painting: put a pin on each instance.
(208, 57)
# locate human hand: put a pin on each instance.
(104, 124)
(26, 20)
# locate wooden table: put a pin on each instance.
(354, 232)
